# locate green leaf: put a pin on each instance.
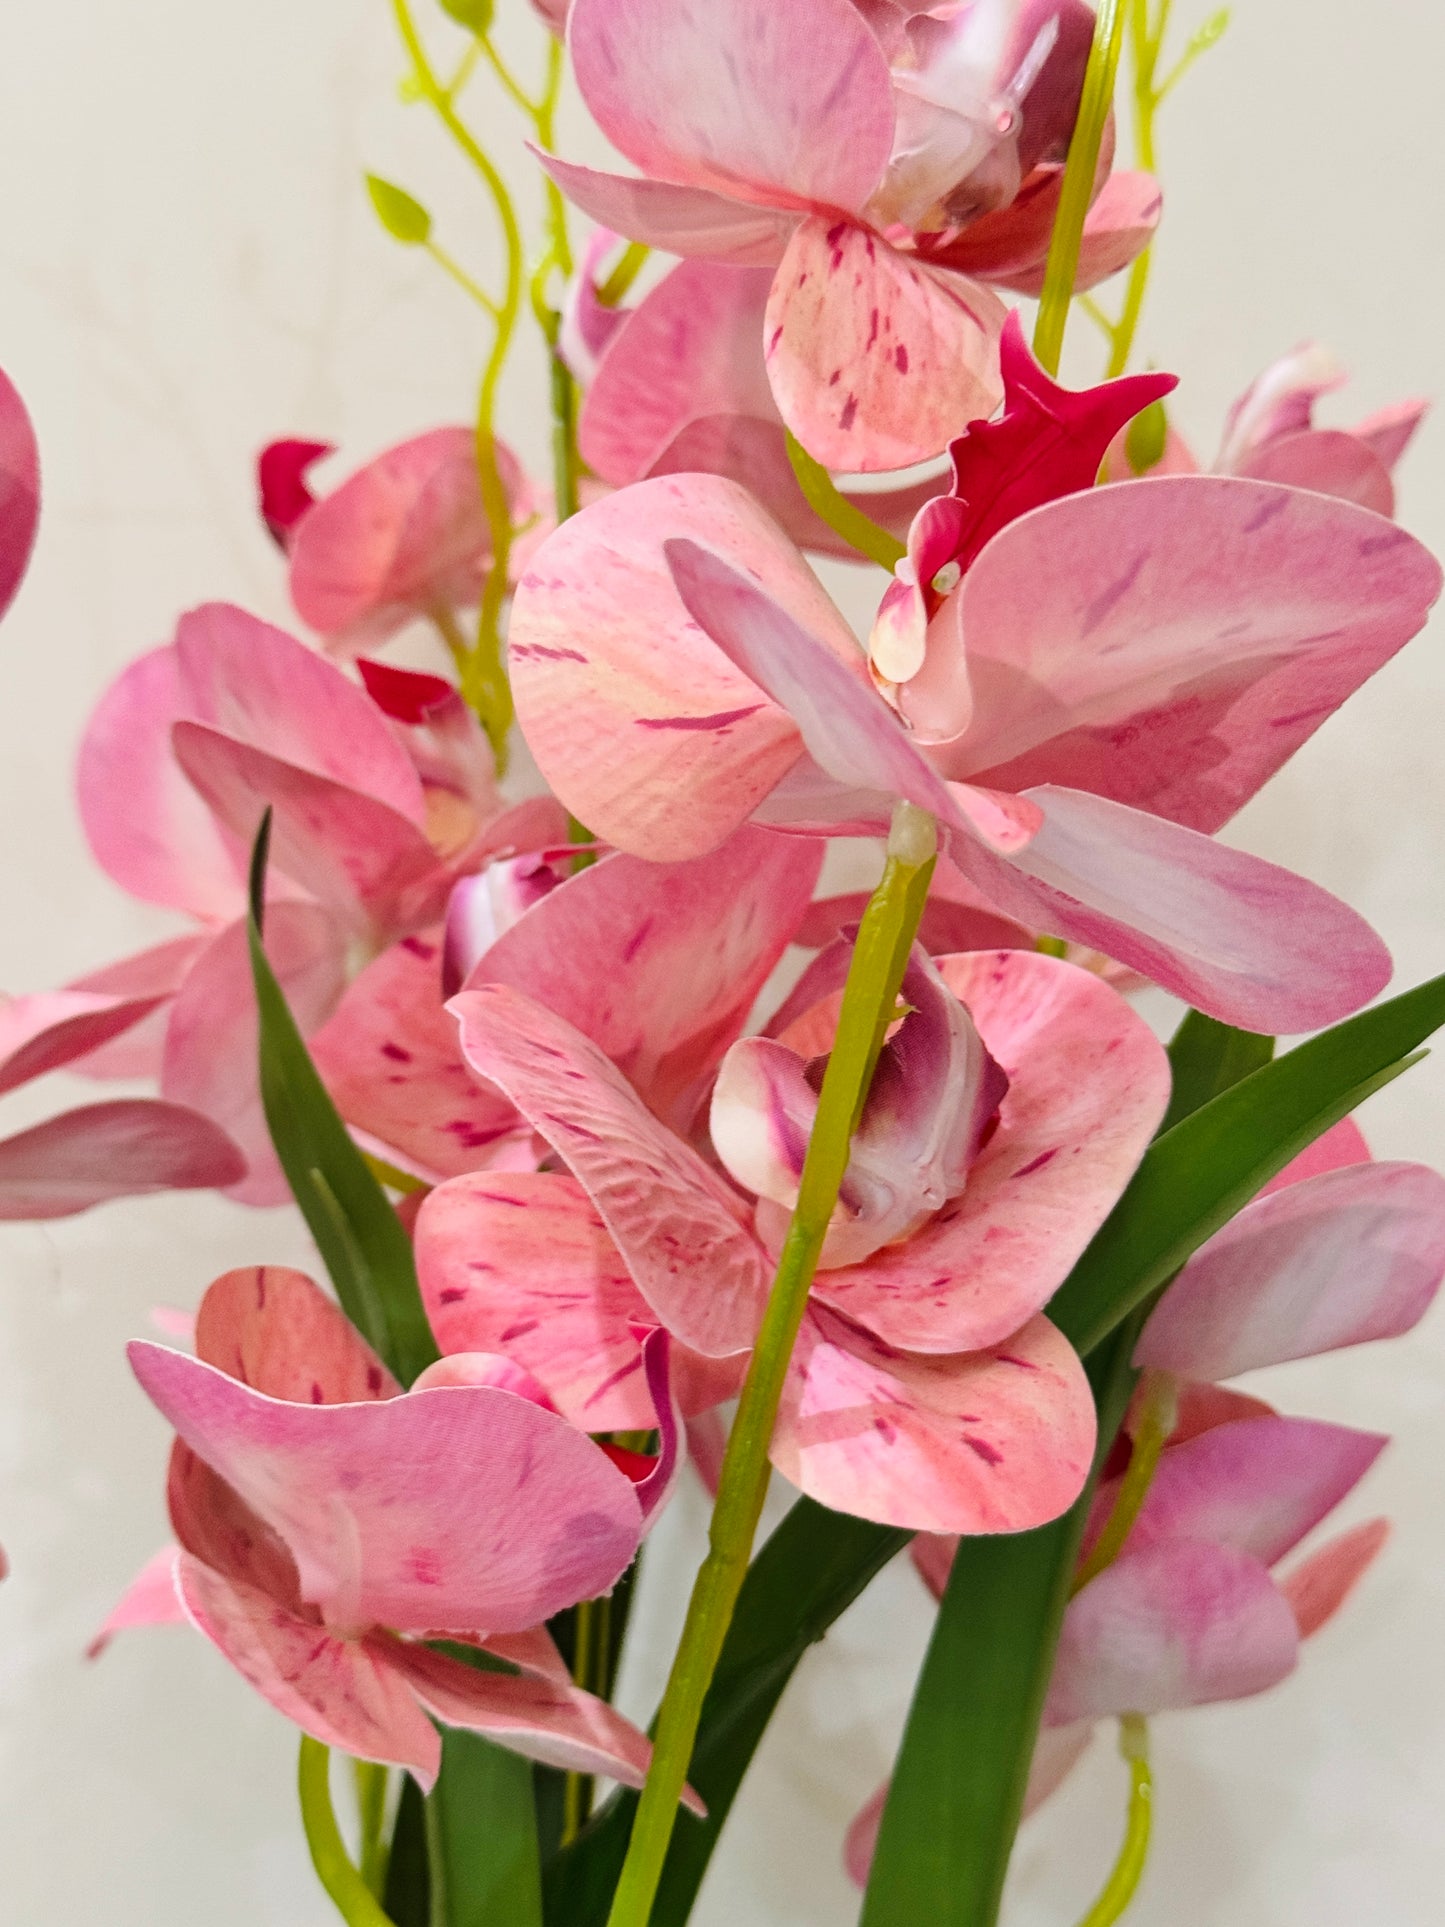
(482, 1837)
(404, 219)
(1206, 1057)
(1196, 1176)
(365, 1249)
(858, 530)
(810, 1570)
(474, 15)
(408, 1886)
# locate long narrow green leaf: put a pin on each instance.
(949, 1823)
(1196, 1176)
(359, 1235)
(408, 1885)
(810, 1570)
(482, 1837)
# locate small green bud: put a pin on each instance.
(1210, 33)
(1145, 441)
(403, 218)
(474, 15)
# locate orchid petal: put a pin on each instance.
(285, 495)
(42, 1031)
(1321, 1583)
(1088, 1085)
(676, 219)
(275, 1330)
(522, 1264)
(876, 361)
(1182, 1624)
(1119, 226)
(1389, 431)
(624, 703)
(1336, 1260)
(164, 846)
(1333, 1150)
(19, 490)
(678, 1226)
(151, 1599)
(1256, 1484)
(984, 1442)
(152, 975)
(390, 1059)
(752, 98)
(382, 1506)
(346, 1693)
(406, 534)
(1328, 461)
(660, 964)
(126, 1148)
(210, 1061)
(1170, 645)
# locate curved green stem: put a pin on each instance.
(1123, 1882)
(484, 678)
(1077, 192)
(634, 258)
(830, 505)
(1160, 1409)
(869, 1001)
(353, 1899)
(371, 1789)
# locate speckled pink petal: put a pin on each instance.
(677, 220)
(659, 964)
(251, 681)
(213, 1523)
(987, 1441)
(876, 361)
(445, 744)
(45, 1029)
(756, 98)
(1239, 938)
(1120, 225)
(678, 1225)
(1181, 1624)
(275, 1330)
(210, 1060)
(391, 1061)
(347, 1693)
(1258, 1484)
(385, 1507)
(523, 1264)
(847, 728)
(151, 1599)
(625, 704)
(164, 845)
(405, 534)
(122, 1149)
(19, 490)
(1171, 643)
(1335, 1260)
(1088, 1085)
(1321, 1583)
(366, 861)
(1329, 461)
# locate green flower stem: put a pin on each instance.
(1145, 41)
(869, 1003)
(1063, 262)
(1157, 1419)
(827, 502)
(483, 677)
(634, 258)
(1123, 1882)
(371, 1790)
(353, 1899)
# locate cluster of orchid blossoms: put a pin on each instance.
(593, 1065)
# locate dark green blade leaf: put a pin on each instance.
(1206, 1057)
(482, 1837)
(407, 1898)
(1196, 1176)
(361, 1239)
(810, 1570)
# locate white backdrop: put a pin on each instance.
(187, 268)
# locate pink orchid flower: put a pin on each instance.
(19, 491)
(383, 795)
(925, 1384)
(786, 135)
(1271, 433)
(330, 1525)
(1109, 679)
(405, 536)
(1338, 1251)
(658, 965)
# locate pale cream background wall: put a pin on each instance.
(187, 267)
